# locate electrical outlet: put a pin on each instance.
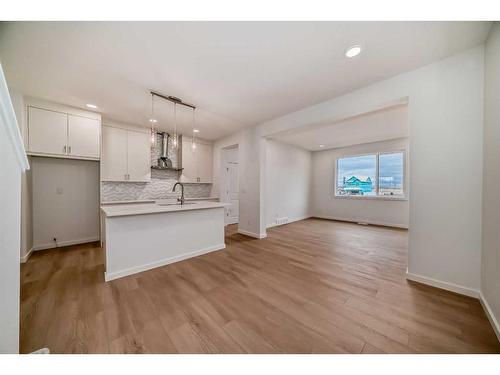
(281, 220)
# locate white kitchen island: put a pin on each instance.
(139, 237)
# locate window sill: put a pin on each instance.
(372, 197)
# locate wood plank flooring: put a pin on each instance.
(313, 286)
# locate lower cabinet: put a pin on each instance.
(125, 155)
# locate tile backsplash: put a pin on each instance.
(160, 186)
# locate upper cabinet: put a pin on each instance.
(47, 131)
(197, 163)
(126, 155)
(83, 136)
(59, 134)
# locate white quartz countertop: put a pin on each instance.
(110, 210)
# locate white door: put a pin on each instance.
(47, 131)
(138, 156)
(231, 185)
(114, 154)
(83, 137)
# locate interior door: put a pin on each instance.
(48, 131)
(231, 193)
(83, 136)
(138, 156)
(114, 154)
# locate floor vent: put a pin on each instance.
(281, 220)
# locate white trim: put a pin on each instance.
(8, 117)
(130, 271)
(289, 221)
(251, 234)
(31, 153)
(65, 243)
(26, 256)
(371, 222)
(489, 313)
(443, 285)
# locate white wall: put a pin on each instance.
(288, 182)
(65, 201)
(491, 177)
(12, 163)
(10, 216)
(446, 122)
(26, 191)
(372, 211)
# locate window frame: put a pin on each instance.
(402, 197)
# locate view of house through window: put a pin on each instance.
(371, 175)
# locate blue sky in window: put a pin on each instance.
(390, 169)
(357, 166)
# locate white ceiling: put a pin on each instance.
(237, 73)
(389, 123)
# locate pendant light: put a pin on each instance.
(174, 137)
(193, 138)
(152, 120)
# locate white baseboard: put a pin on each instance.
(443, 285)
(26, 256)
(489, 313)
(65, 243)
(289, 221)
(108, 276)
(251, 234)
(372, 222)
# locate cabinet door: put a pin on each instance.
(204, 161)
(189, 173)
(83, 137)
(139, 156)
(114, 154)
(47, 131)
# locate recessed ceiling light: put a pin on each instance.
(321, 146)
(196, 130)
(93, 106)
(353, 51)
(153, 120)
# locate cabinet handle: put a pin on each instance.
(69, 149)
(125, 176)
(64, 150)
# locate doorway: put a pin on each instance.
(230, 193)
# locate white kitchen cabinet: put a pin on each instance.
(189, 171)
(59, 134)
(114, 154)
(48, 132)
(197, 164)
(204, 162)
(126, 155)
(138, 156)
(83, 136)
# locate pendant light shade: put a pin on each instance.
(152, 120)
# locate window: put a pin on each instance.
(373, 175)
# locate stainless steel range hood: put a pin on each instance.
(164, 162)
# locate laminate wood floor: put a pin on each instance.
(313, 286)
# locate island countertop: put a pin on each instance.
(110, 210)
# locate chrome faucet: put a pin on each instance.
(181, 199)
